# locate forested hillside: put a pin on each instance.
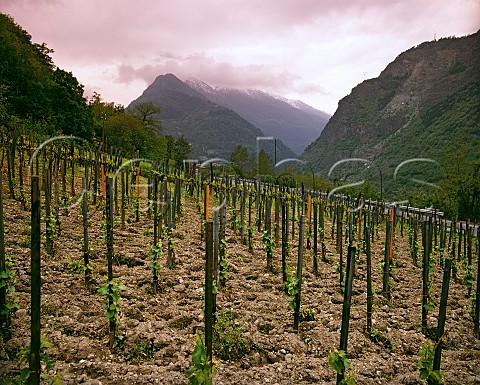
(36, 93)
(425, 104)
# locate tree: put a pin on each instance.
(459, 189)
(125, 132)
(145, 112)
(182, 148)
(73, 117)
(265, 164)
(241, 161)
(169, 149)
(37, 92)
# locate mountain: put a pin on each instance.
(425, 102)
(292, 121)
(213, 130)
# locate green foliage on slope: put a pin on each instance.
(425, 104)
(36, 93)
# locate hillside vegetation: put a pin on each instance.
(425, 104)
(36, 93)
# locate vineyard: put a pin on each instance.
(116, 271)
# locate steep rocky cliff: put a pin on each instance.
(424, 102)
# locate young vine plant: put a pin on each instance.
(425, 365)
(292, 286)
(111, 294)
(203, 369)
(224, 264)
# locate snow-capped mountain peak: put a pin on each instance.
(200, 86)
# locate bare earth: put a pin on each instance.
(73, 316)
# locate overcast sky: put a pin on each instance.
(313, 50)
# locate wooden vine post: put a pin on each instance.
(268, 232)
(115, 195)
(56, 168)
(47, 185)
(250, 229)
(86, 251)
(284, 240)
(177, 201)
(309, 222)
(137, 194)
(242, 216)
(216, 249)
(207, 200)
(340, 242)
(322, 232)
(452, 242)
(315, 237)
(209, 290)
(476, 327)
(95, 166)
(347, 299)
(392, 232)
(301, 236)
(469, 267)
(3, 292)
(64, 183)
(360, 212)
(369, 281)
(155, 209)
(222, 252)
(277, 217)
(259, 208)
(386, 262)
(442, 313)
(109, 219)
(233, 215)
(170, 214)
(123, 202)
(34, 359)
(414, 241)
(425, 275)
(293, 218)
(72, 166)
(20, 174)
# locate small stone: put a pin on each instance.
(256, 359)
(179, 288)
(288, 358)
(272, 357)
(312, 376)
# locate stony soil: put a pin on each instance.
(166, 323)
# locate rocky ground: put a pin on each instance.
(159, 329)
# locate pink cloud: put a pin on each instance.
(218, 73)
(280, 46)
